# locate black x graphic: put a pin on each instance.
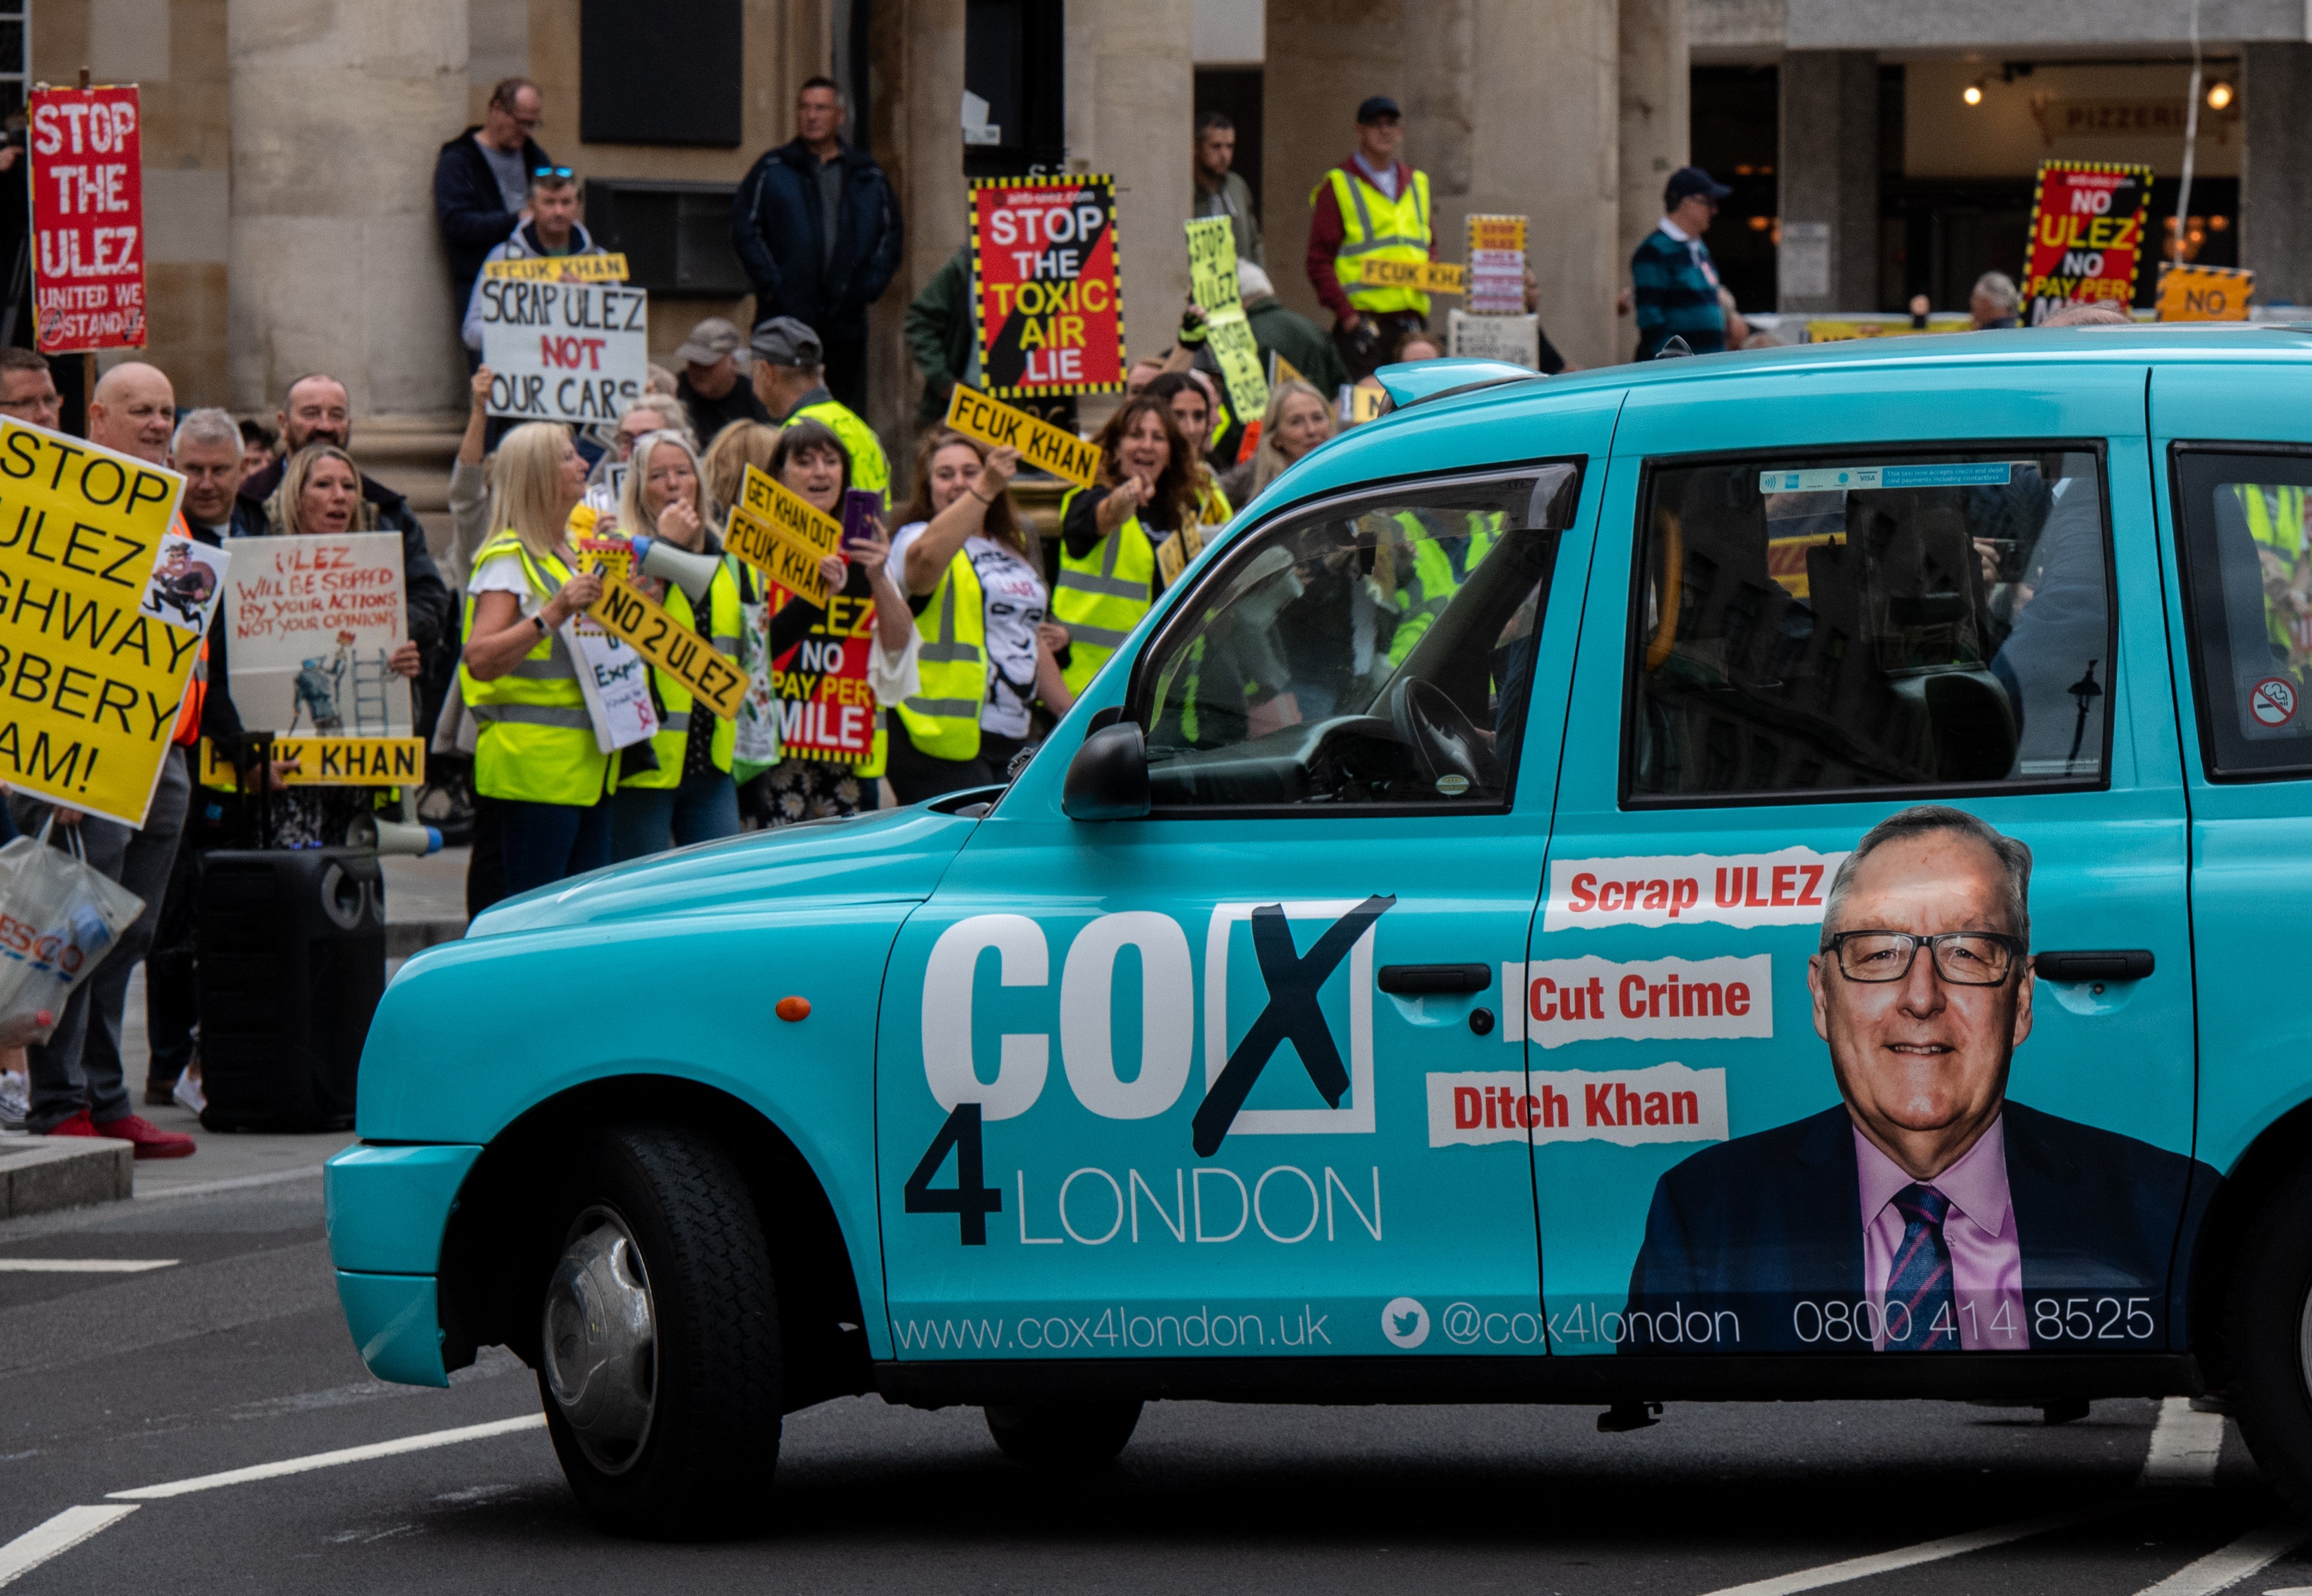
(1292, 1016)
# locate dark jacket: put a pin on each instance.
(471, 211)
(709, 417)
(425, 597)
(1758, 1224)
(1676, 286)
(779, 231)
(1304, 348)
(940, 335)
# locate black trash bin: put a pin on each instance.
(291, 951)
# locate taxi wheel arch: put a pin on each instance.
(2267, 1335)
(2235, 1217)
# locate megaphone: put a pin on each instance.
(392, 836)
(694, 573)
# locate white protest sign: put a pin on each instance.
(310, 622)
(615, 682)
(1516, 339)
(574, 352)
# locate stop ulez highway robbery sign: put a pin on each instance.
(88, 220)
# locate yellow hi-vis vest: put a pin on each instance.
(942, 719)
(536, 742)
(1102, 596)
(673, 735)
(2285, 535)
(1375, 227)
(1434, 579)
(870, 470)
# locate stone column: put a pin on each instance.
(337, 109)
(1657, 81)
(916, 65)
(1829, 180)
(2275, 230)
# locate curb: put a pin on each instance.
(404, 937)
(40, 1174)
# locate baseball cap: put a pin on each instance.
(709, 342)
(1689, 180)
(784, 341)
(1376, 106)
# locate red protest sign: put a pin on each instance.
(2087, 236)
(1043, 261)
(88, 220)
(825, 709)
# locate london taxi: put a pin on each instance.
(1439, 960)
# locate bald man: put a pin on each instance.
(78, 1086)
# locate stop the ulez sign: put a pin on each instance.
(88, 220)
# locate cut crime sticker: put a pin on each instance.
(999, 425)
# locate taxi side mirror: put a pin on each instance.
(1107, 780)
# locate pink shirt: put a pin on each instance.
(1987, 1255)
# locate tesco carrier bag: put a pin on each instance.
(59, 918)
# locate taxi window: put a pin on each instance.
(1827, 623)
(1369, 650)
(2248, 592)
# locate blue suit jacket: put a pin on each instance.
(1755, 1224)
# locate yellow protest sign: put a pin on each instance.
(2204, 292)
(1040, 444)
(1366, 401)
(1427, 277)
(674, 648)
(791, 514)
(1213, 285)
(102, 612)
(559, 268)
(1282, 370)
(793, 565)
(330, 761)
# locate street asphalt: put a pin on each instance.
(232, 1355)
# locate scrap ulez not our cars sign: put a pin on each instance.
(1043, 265)
(88, 220)
(2087, 236)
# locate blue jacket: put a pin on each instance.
(1677, 296)
(777, 228)
(469, 207)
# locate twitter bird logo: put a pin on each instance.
(1405, 1322)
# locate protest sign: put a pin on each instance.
(87, 182)
(1837, 329)
(103, 610)
(573, 352)
(1497, 266)
(1516, 339)
(328, 762)
(1427, 277)
(1000, 426)
(672, 646)
(1043, 274)
(2087, 236)
(310, 624)
(1282, 370)
(825, 708)
(779, 533)
(2204, 292)
(558, 268)
(1213, 284)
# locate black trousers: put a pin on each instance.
(916, 775)
(847, 372)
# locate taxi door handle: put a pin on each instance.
(1414, 979)
(2094, 964)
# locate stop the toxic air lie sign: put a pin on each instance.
(1043, 256)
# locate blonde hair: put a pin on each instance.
(527, 494)
(635, 519)
(297, 472)
(1268, 461)
(737, 446)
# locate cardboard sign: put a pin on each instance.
(1282, 370)
(572, 352)
(782, 535)
(87, 180)
(1427, 277)
(2204, 292)
(826, 710)
(1040, 443)
(329, 762)
(1211, 276)
(2087, 236)
(669, 645)
(1043, 274)
(102, 613)
(558, 268)
(1497, 266)
(309, 623)
(1516, 339)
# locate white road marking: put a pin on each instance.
(311, 1172)
(82, 1265)
(61, 1533)
(329, 1459)
(2226, 1565)
(2185, 1447)
(1911, 1556)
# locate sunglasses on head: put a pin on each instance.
(552, 172)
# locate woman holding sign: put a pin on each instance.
(689, 795)
(538, 754)
(1136, 531)
(1299, 419)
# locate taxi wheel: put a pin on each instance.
(1052, 1435)
(659, 1341)
(2268, 1333)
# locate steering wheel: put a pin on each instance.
(1448, 754)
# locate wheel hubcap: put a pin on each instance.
(600, 1341)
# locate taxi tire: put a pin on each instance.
(707, 1462)
(2266, 1332)
(1062, 1435)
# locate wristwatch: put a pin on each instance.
(543, 630)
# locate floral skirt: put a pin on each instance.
(814, 789)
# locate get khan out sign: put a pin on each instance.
(1043, 262)
(88, 220)
(2086, 237)
(573, 352)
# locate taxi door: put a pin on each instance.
(1186, 1085)
(1806, 617)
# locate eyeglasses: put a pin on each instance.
(552, 172)
(1962, 958)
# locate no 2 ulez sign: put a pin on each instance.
(1043, 256)
(88, 220)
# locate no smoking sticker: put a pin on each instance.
(2273, 701)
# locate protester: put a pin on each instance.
(481, 181)
(791, 380)
(1109, 534)
(1372, 207)
(1220, 191)
(28, 389)
(651, 412)
(1738, 331)
(551, 233)
(817, 228)
(1299, 419)
(535, 754)
(748, 443)
(78, 1087)
(1993, 300)
(1144, 371)
(712, 388)
(1419, 346)
(257, 440)
(1191, 407)
(812, 462)
(943, 337)
(1287, 335)
(1676, 282)
(2089, 315)
(657, 379)
(1550, 362)
(973, 570)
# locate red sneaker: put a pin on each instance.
(79, 1125)
(148, 1138)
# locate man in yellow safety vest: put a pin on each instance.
(1372, 207)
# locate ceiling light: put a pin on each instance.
(1973, 94)
(2219, 96)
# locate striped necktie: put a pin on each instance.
(1921, 1279)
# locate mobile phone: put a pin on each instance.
(863, 517)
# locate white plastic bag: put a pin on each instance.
(59, 918)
